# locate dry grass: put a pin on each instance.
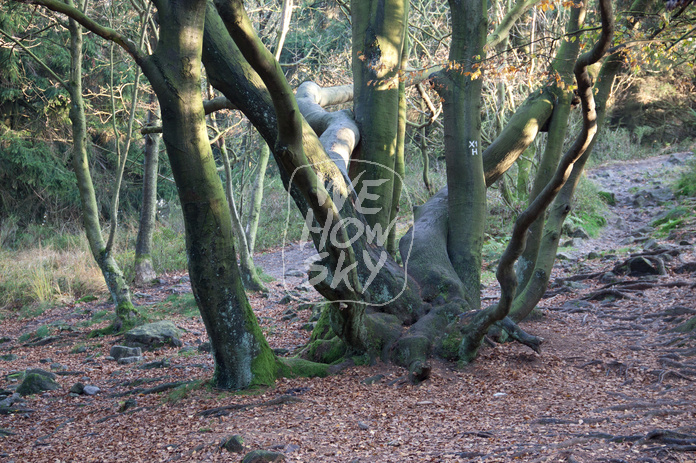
(43, 275)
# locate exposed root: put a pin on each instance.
(226, 410)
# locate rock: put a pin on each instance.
(294, 273)
(77, 388)
(307, 327)
(579, 233)
(364, 426)
(651, 244)
(129, 360)
(129, 403)
(642, 266)
(262, 456)
(119, 352)
(564, 256)
(46, 360)
(233, 444)
(188, 350)
(91, 390)
(57, 366)
(153, 335)
(79, 350)
(4, 339)
(281, 351)
(205, 347)
(8, 401)
(608, 277)
(36, 381)
(372, 380)
(593, 255)
(8, 357)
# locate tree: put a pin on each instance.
(376, 307)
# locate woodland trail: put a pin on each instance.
(614, 382)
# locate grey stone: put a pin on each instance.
(119, 352)
(579, 233)
(233, 444)
(153, 335)
(164, 363)
(57, 366)
(281, 351)
(4, 339)
(593, 255)
(372, 380)
(642, 266)
(262, 456)
(91, 390)
(36, 381)
(609, 277)
(80, 350)
(8, 357)
(564, 256)
(129, 360)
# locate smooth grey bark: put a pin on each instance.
(144, 269)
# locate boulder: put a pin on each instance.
(234, 444)
(262, 456)
(36, 381)
(153, 335)
(119, 352)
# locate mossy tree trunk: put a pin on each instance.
(120, 292)
(379, 39)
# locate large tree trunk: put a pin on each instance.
(460, 87)
(379, 36)
(242, 355)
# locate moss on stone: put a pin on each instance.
(326, 350)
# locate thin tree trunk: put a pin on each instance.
(144, 269)
(252, 222)
(120, 293)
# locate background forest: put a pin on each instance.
(44, 255)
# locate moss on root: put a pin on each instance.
(297, 367)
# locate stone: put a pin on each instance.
(119, 352)
(36, 381)
(593, 255)
(564, 256)
(4, 339)
(281, 351)
(80, 350)
(641, 266)
(153, 335)
(129, 360)
(608, 277)
(8, 357)
(91, 390)
(262, 456)
(77, 388)
(372, 380)
(233, 444)
(579, 233)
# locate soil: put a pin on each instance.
(614, 383)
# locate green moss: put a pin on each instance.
(687, 326)
(297, 367)
(326, 350)
(449, 347)
(179, 393)
(322, 329)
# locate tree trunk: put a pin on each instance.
(120, 293)
(144, 270)
(242, 355)
(461, 91)
(379, 34)
(252, 221)
(563, 66)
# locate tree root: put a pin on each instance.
(152, 390)
(521, 336)
(226, 410)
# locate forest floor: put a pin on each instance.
(613, 382)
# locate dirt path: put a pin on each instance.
(613, 384)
